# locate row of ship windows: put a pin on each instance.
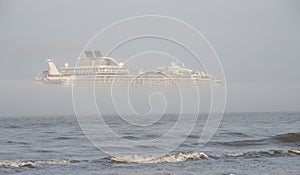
(91, 71)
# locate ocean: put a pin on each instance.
(244, 144)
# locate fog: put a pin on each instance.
(258, 43)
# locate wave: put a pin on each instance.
(288, 138)
(270, 153)
(236, 134)
(32, 163)
(241, 143)
(180, 157)
(63, 138)
(192, 156)
(12, 127)
(17, 142)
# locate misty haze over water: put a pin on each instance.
(257, 43)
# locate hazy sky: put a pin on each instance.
(257, 41)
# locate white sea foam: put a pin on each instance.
(234, 155)
(196, 156)
(32, 163)
(159, 159)
(263, 153)
(295, 151)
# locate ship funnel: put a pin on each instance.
(53, 69)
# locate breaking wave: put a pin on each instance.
(180, 157)
(32, 163)
(192, 156)
(270, 153)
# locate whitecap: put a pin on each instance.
(32, 163)
(180, 157)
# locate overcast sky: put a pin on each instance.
(257, 41)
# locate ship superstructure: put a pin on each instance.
(95, 69)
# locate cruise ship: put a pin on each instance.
(95, 69)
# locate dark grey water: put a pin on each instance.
(245, 143)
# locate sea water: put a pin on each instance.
(245, 143)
